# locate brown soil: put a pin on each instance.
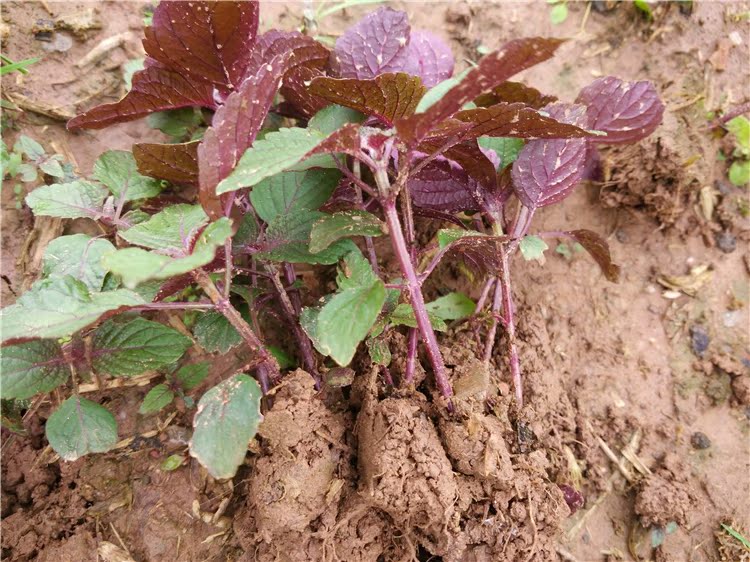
(369, 474)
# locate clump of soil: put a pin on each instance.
(647, 176)
(665, 496)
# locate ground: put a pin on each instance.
(653, 372)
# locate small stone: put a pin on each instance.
(699, 339)
(726, 241)
(700, 440)
(621, 236)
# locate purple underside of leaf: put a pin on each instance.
(154, 89)
(207, 40)
(443, 186)
(375, 45)
(571, 113)
(626, 111)
(389, 96)
(428, 57)
(472, 160)
(546, 171)
(234, 128)
(493, 69)
(175, 163)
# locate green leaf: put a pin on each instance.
(20, 66)
(78, 199)
(643, 6)
(453, 306)
(325, 11)
(403, 315)
(446, 236)
(292, 192)
(506, 148)
(380, 353)
(532, 248)
(51, 166)
(288, 239)
(559, 13)
(157, 399)
(176, 123)
(171, 229)
(247, 232)
(135, 265)
(739, 172)
(79, 427)
(740, 128)
(278, 151)
(129, 68)
(132, 348)
(79, 256)
(172, 462)
(332, 117)
(58, 307)
(190, 376)
(118, 171)
(284, 360)
(29, 148)
(214, 333)
(344, 321)
(436, 93)
(331, 228)
(30, 368)
(355, 271)
(737, 536)
(227, 418)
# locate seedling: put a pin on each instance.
(383, 132)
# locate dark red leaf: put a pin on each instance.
(387, 96)
(516, 120)
(471, 158)
(493, 69)
(296, 91)
(154, 89)
(428, 57)
(481, 254)
(599, 250)
(626, 111)
(438, 215)
(209, 41)
(234, 128)
(345, 140)
(515, 92)
(443, 186)
(176, 163)
(377, 44)
(546, 171)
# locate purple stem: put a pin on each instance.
(496, 305)
(483, 296)
(415, 292)
(291, 277)
(410, 236)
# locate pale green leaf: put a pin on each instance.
(171, 229)
(332, 117)
(117, 170)
(156, 399)
(132, 348)
(403, 315)
(532, 248)
(78, 199)
(740, 128)
(59, 307)
(176, 123)
(559, 13)
(453, 306)
(214, 333)
(190, 376)
(435, 94)
(78, 255)
(380, 353)
(279, 151)
(506, 148)
(227, 418)
(79, 427)
(292, 192)
(331, 228)
(355, 271)
(30, 368)
(134, 265)
(739, 172)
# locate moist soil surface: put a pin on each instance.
(638, 393)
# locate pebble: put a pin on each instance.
(699, 339)
(700, 440)
(726, 241)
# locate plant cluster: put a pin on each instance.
(308, 149)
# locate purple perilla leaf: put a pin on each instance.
(429, 57)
